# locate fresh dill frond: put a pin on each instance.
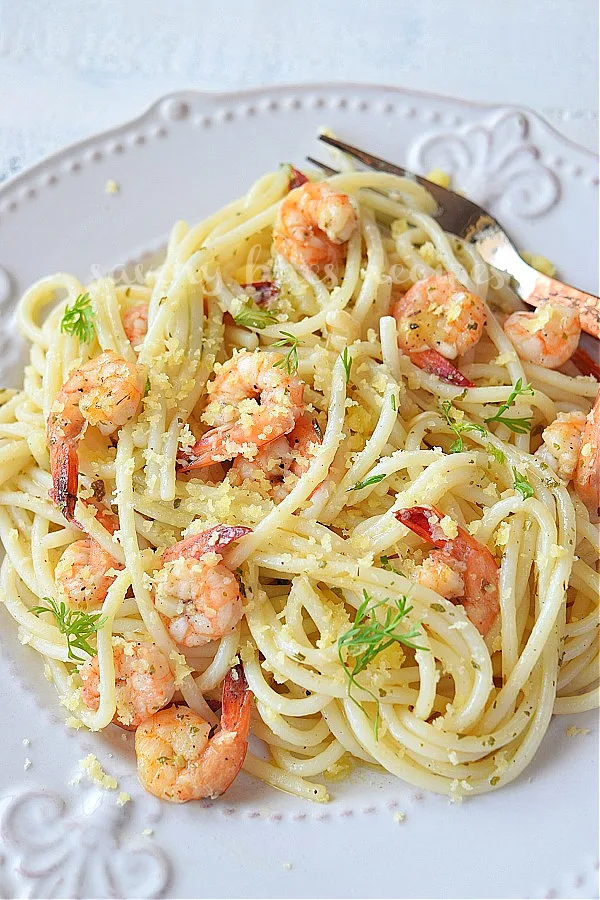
(250, 316)
(496, 453)
(519, 425)
(522, 484)
(368, 637)
(79, 319)
(346, 362)
(374, 479)
(290, 361)
(458, 427)
(77, 626)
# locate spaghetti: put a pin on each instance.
(353, 540)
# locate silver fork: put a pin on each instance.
(462, 217)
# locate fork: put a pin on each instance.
(467, 220)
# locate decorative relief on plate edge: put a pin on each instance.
(495, 163)
(77, 845)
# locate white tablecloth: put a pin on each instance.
(70, 68)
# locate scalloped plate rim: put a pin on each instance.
(182, 95)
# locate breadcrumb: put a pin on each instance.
(111, 187)
(574, 730)
(399, 817)
(91, 767)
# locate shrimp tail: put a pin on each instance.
(205, 452)
(585, 363)
(481, 601)
(213, 540)
(297, 178)
(64, 466)
(417, 518)
(434, 363)
(237, 700)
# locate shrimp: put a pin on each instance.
(253, 402)
(562, 443)
(472, 562)
(571, 447)
(437, 320)
(273, 464)
(587, 473)
(178, 760)
(315, 223)
(105, 391)
(135, 323)
(81, 573)
(548, 336)
(198, 595)
(143, 677)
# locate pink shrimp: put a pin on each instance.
(547, 336)
(271, 468)
(81, 574)
(253, 402)
(315, 223)
(466, 557)
(438, 319)
(179, 761)
(143, 680)
(106, 391)
(197, 594)
(587, 473)
(135, 323)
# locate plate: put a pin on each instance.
(187, 155)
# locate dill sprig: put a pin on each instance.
(519, 425)
(250, 316)
(77, 626)
(79, 319)
(374, 479)
(458, 427)
(346, 362)
(522, 484)
(368, 637)
(290, 361)
(496, 453)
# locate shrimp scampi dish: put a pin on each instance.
(315, 491)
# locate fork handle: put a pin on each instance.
(588, 306)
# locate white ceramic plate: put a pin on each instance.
(187, 155)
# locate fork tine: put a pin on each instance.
(455, 213)
(374, 162)
(321, 165)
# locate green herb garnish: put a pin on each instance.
(456, 426)
(374, 479)
(369, 637)
(522, 485)
(347, 362)
(250, 316)
(290, 361)
(496, 453)
(384, 562)
(518, 425)
(393, 402)
(79, 319)
(76, 626)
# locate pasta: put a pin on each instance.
(352, 647)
